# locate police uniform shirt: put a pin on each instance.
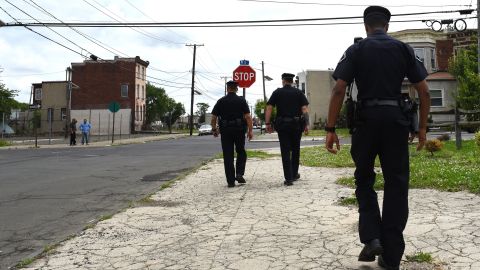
(288, 101)
(379, 65)
(231, 107)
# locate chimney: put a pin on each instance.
(444, 50)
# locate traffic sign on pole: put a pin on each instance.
(244, 75)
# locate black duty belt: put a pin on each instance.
(379, 102)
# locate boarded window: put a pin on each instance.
(124, 90)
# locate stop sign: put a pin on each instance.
(244, 75)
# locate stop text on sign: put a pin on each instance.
(243, 76)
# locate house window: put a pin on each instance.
(433, 59)
(420, 54)
(143, 91)
(38, 93)
(63, 113)
(143, 71)
(124, 90)
(138, 91)
(138, 72)
(436, 97)
(303, 87)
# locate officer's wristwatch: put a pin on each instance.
(330, 129)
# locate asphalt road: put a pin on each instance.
(47, 195)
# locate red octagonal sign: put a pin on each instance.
(244, 75)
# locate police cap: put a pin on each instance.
(376, 12)
(288, 76)
(232, 84)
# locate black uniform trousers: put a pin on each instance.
(383, 131)
(290, 150)
(231, 137)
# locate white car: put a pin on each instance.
(205, 130)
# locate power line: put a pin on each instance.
(67, 39)
(345, 5)
(136, 30)
(93, 40)
(54, 41)
(242, 23)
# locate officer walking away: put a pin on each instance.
(379, 64)
(234, 118)
(292, 119)
(85, 129)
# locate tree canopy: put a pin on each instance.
(7, 100)
(159, 106)
(465, 69)
(202, 109)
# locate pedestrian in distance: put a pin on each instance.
(73, 132)
(292, 119)
(232, 114)
(85, 129)
(379, 64)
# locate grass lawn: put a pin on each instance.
(341, 132)
(253, 154)
(446, 170)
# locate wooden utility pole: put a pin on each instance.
(193, 85)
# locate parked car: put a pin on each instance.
(205, 130)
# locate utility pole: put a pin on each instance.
(478, 35)
(193, 84)
(263, 81)
(225, 78)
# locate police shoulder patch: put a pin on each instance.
(344, 56)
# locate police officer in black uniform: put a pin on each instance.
(292, 120)
(233, 119)
(379, 65)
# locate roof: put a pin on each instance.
(135, 59)
(441, 76)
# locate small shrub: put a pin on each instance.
(4, 143)
(444, 137)
(420, 257)
(477, 138)
(433, 146)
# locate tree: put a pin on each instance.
(7, 101)
(156, 104)
(262, 105)
(202, 109)
(465, 69)
(173, 111)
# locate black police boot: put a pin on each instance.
(370, 250)
(231, 185)
(288, 183)
(241, 180)
(296, 177)
(382, 263)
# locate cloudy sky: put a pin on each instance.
(26, 57)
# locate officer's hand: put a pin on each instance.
(412, 137)
(269, 129)
(330, 140)
(215, 133)
(422, 137)
(250, 135)
(305, 131)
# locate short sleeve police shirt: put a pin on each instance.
(231, 107)
(288, 101)
(379, 64)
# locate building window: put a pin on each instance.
(124, 90)
(38, 93)
(143, 91)
(436, 97)
(303, 87)
(433, 59)
(420, 54)
(138, 91)
(144, 75)
(138, 72)
(63, 113)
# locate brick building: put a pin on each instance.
(101, 82)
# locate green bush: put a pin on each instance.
(4, 143)
(477, 138)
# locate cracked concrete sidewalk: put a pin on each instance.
(200, 224)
